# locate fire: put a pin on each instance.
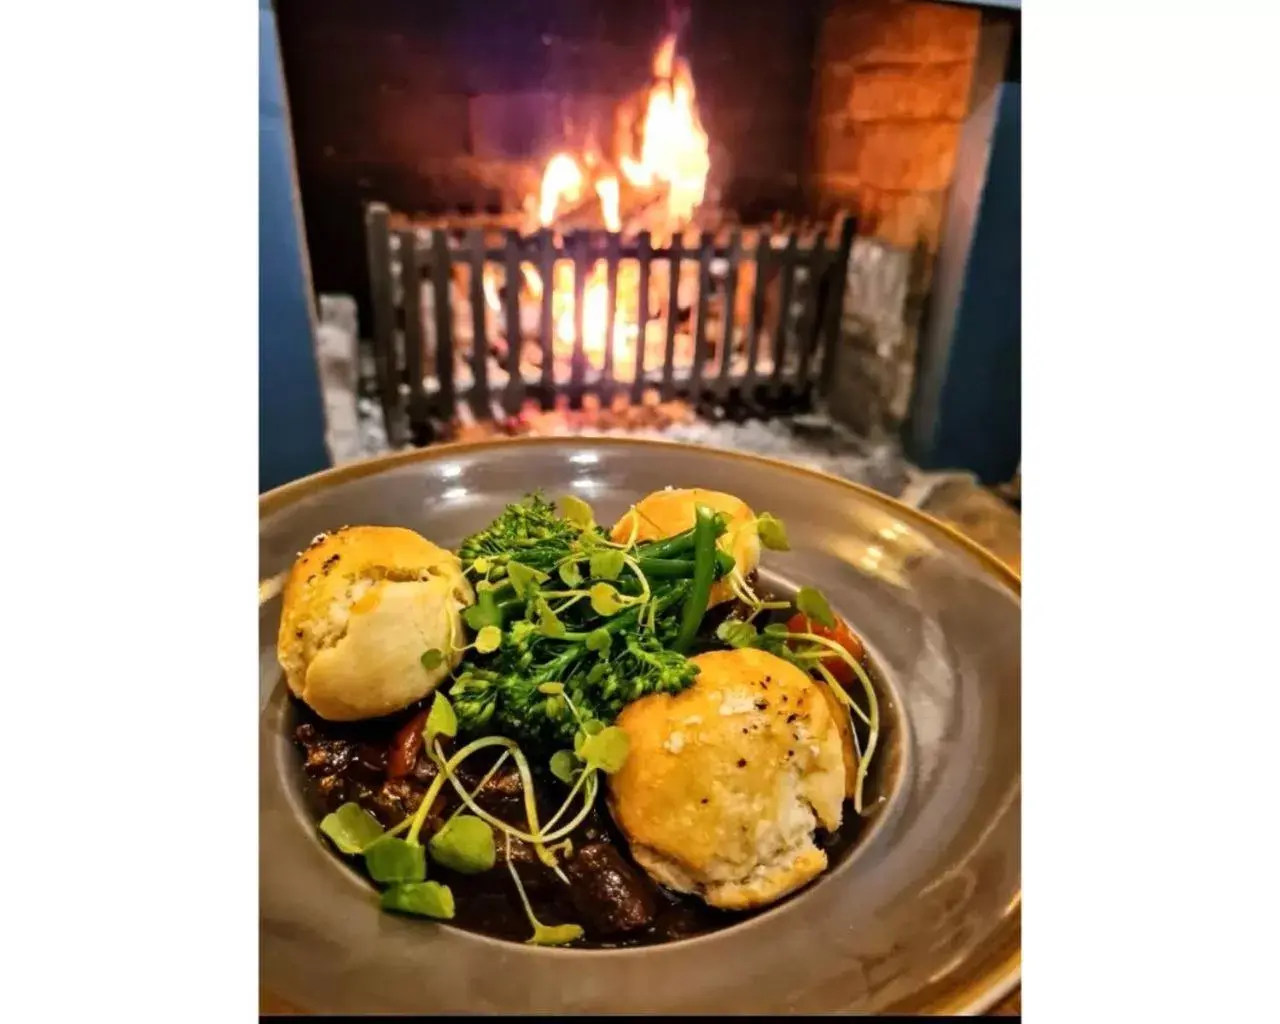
(674, 150)
(674, 161)
(561, 180)
(607, 190)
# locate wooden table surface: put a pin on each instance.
(978, 514)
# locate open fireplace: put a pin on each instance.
(541, 205)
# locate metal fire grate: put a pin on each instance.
(757, 311)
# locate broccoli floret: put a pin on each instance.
(530, 532)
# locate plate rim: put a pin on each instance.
(969, 998)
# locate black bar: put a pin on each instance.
(730, 302)
(784, 310)
(764, 251)
(479, 332)
(643, 245)
(547, 264)
(513, 398)
(707, 243)
(838, 274)
(612, 248)
(673, 314)
(809, 321)
(378, 241)
(579, 246)
(411, 289)
(440, 275)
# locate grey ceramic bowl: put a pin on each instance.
(923, 915)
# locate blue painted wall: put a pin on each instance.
(290, 411)
(968, 408)
(980, 412)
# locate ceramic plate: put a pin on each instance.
(922, 915)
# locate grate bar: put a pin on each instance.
(612, 252)
(703, 312)
(513, 397)
(808, 333)
(580, 248)
(441, 271)
(673, 315)
(547, 268)
(788, 261)
(734, 258)
(479, 394)
(838, 276)
(643, 247)
(378, 238)
(764, 259)
(411, 290)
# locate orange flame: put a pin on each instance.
(607, 190)
(562, 180)
(674, 156)
(674, 150)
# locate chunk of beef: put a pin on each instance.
(607, 892)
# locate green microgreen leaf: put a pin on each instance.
(814, 605)
(484, 612)
(570, 574)
(589, 728)
(351, 828)
(426, 899)
(578, 512)
(772, 532)
(598, 640)
(481, 565)
(464, 844)
(432, 659)
(737, 634)
(548, 622)
(551, 689)
(777, 629)
(565, 765)
(607, 564)
(525, 579)
(555, 934)
(607, 749)
(441, 721)
(488, 640)
(605, 600)
(391, 860)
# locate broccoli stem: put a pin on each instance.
(557, 667)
